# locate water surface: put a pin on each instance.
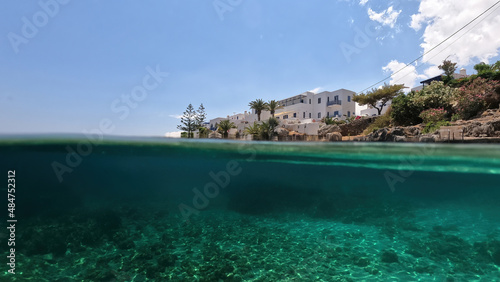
(129, 209)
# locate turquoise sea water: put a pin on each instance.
(173, 210)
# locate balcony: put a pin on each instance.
(334, 102)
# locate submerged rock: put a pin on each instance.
(389, 256)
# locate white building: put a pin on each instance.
(311, 107)
(302, 112)
(214, 123)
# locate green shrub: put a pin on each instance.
(380, 122)
(436, 95)
(405, 113)
(406, 109)
(433, 126)
(331, 120)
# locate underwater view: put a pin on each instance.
(173, 210)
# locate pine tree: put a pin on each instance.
(189, 121)
(379, 97)
(201, 115)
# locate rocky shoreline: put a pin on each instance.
(483, 129)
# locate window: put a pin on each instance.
(319, 100)
(310, 115)
(294, 115)
(336, 113)
(348, 98)
(328, 99)
(304, 115)
(348, 114)
(336, 98)
(319, 114)
(285, 116)
(309, 101)
(327, 114)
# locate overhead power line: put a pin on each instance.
(449, 45)
(421, 56)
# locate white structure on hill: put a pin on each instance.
(301, 113)
(310, 107)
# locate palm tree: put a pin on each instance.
(253, 130)
(224, 127)
(268, 127)
(258, 105)
(272, 106)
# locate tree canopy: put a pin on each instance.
(189, 121)
(201, 115)
(263, 131)
(378, 98)
(449, 69)
(192, 120)
(272, 106)
(258, 105)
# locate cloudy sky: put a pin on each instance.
(131, 67)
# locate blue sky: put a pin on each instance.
(65, 65)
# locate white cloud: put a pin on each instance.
(362, 2)
(477, 42)
(387, 17)
(175, 116)
(173, 134)
(316, 90)
(443, 18)
(409, 76)
(432, 71)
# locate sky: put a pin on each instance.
(123, 67)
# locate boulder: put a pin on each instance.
(380, 135)
(398, 131)
(334, 136)
(427, 138)
(399, 139)
(476, 129)
(330, 128)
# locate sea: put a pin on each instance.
(93, 208)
